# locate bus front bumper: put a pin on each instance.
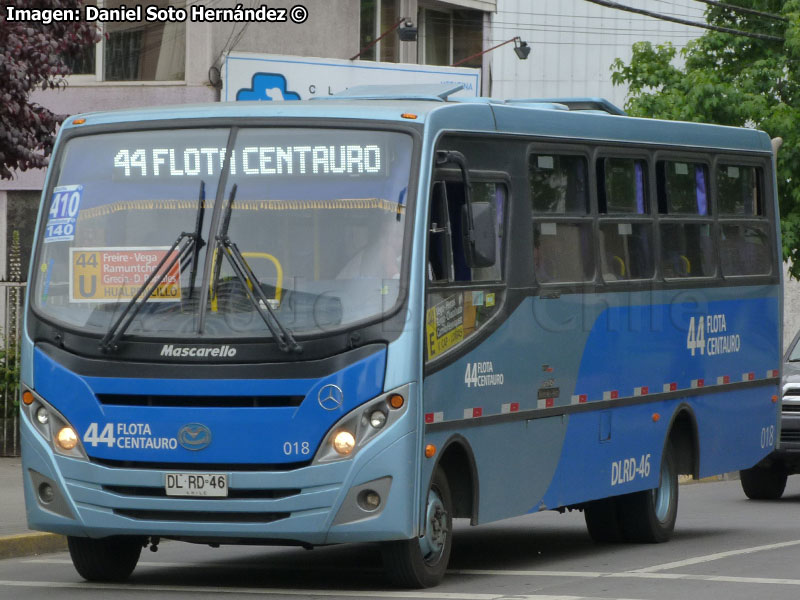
(312, 505)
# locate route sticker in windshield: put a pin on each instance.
(63, 214)
(116, 274)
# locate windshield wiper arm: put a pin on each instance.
(198, 241)
(186, 241)
(283, 336)
(193, 243)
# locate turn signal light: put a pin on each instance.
(27, 397)
(409, 116)
(430, 451)
(396, 401)
(79, 121)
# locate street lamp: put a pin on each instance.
(521, 49)
(406, 33)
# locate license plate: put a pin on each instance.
(211, 485)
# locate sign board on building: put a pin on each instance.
(250, 76)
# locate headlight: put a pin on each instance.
(67, 438)
(344, 442)
(358, 427)
(51, 425)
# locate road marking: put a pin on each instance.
(718, 556)
(628, 575)
(522, 573)
(636, 574)
(429, 595)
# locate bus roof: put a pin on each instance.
(566, 118)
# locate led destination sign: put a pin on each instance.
(308, 160)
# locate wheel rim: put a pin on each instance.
(663, 495)
(433, 542)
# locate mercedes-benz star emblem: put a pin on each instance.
(330, 397)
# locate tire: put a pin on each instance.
(422, 562)
(106, 559)
(649, 516)
(602, 521)
(763, 483)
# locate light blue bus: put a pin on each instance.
(357, 319)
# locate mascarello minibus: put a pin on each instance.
(358, 318)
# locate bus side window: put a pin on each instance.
(562, 226)
(744, 230)
(626, 249)
(446, 254)
(460, 299)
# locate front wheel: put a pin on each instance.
(763, 483)
(106, 559)
(649, 516)
(422, 562)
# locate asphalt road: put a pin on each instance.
(725, 548)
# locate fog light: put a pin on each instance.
(67, 438)
(46, 493)
(42, 416)
(344, 442)
(377, 419)
(369, 500)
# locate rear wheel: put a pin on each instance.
(421, 562)
(106, 559)
(602, 521)
(763, 483)
(649, 516)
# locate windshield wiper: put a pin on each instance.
(190, 245)
(224, 246)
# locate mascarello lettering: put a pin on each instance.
(172, 351)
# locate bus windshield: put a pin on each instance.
(318, 215)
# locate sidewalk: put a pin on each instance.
(15, 537)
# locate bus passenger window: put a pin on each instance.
(745, 249)
(562, 252)
(627, 251)
(686, 250)
(562, 249)
(622, 188)
(559, 184)
(683, 188)
(738, 192)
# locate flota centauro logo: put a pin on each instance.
(194, 436)
(198, 351)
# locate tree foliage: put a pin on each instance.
(34, 56)
(732, 80)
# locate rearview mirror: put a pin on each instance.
(480, 248)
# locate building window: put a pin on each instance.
(378, 16)
(448, 37)
(136, 51)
